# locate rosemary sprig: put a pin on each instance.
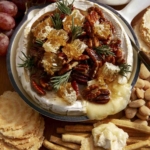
(104, 50)
(56, 20)
(124, 68)
(64, 6)
(27, 63)
(56, 81)
(76, 31)
(39, 42)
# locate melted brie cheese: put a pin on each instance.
(120, 96)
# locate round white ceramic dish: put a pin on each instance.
(125, 16)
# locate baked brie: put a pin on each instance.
(65, 51)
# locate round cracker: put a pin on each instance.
(142, 43)
(4, 146)
(14, 112)
(38, 144)
(26, 143)
(24, 132)
(35, 141)
(7, 112)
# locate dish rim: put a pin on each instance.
(42, 110)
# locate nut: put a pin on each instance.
(133, 95)
(142, 117)
(140, 83)
(139, 93)
(148, 79)
(137, 103)
(144, 110)
(144, 73)
(97, 95)
(148, 104)
(147, 95)
(147, 85)
(130, 112)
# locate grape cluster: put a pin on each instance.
(11, 13)
(8, 12)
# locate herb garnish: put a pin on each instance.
(124, 68)
(57, 22)
(76, 31)
(57, 81)
(104, 50)
(27, 63)
(64, 6)
(39, 42)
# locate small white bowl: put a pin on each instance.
(114, 2)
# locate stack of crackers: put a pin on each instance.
(21, 128)
(79, 136)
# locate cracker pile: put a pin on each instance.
(79, 136)
(21, 128)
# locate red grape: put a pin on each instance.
(8, 7)
(8, 32)
(6, 21)
(4, 42)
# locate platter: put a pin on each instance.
(6, 84)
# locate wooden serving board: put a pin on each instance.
(5, 85)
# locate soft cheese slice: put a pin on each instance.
(109, 136)
(51, 101)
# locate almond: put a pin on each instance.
(142, 117)
(130, 112)
(147, 94)
(144, 110)
(148, 104)
(144, 73)
(137, 103)
(139, 93)
(147, 85)
(133, 94)
(140, 83)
